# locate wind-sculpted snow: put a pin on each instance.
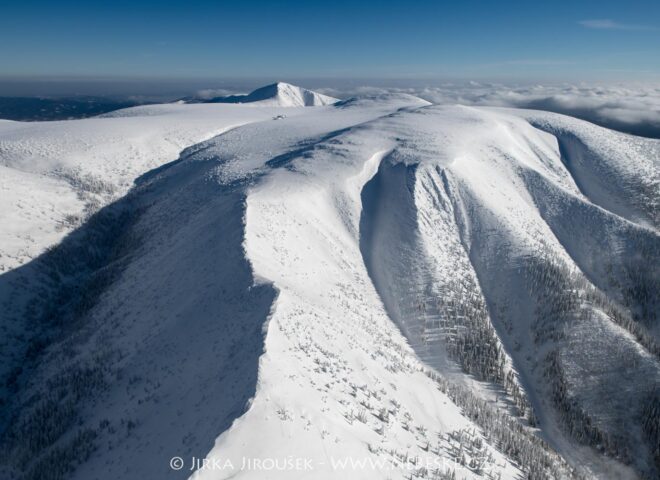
(434, 291)
(618, 172)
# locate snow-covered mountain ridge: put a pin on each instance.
(436, 288)
(278, 94)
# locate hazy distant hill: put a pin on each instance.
(39, 109)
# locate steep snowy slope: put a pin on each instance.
(92, 161)
(55, 175)
(375, 289)
(278, 94)
(531, 247)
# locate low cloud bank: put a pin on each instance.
(632, 109)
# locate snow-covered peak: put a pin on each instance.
(278, 94)
(287, 95)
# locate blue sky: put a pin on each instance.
(343, 39)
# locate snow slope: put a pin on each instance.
(95, 160)
(278, 94)
(56, 175)
(416, 289)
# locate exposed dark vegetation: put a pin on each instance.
(463, 324)
(40, 438)
(563, 296)
(515, 440)
(651, 425)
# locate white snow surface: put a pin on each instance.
(274, 287)
(64, 166)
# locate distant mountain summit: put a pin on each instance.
(278, 94)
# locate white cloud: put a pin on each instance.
(607, 24)
(209, 93)
(630, 108)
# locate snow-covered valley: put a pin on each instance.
(373, 288)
